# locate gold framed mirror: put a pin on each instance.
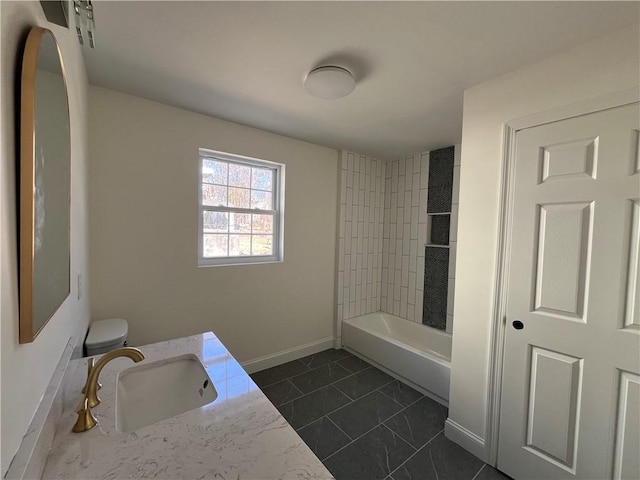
(45, 184)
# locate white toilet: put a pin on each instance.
(106, 335)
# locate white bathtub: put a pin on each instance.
(412, 352)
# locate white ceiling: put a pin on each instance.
(245, 61)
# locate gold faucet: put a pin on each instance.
(86, 420)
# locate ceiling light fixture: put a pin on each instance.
(329, 82)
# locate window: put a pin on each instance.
(241, 214)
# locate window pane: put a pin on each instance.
(239, 245)
(215, 222)
(214, 195)
(262, 179)
(261, 200)
(239, 197)
(239, 175)
(214, 172)
(262, 245)
(215, 245)
(262, 223)
(240, 223)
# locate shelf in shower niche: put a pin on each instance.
(436, 245)
(438, 213)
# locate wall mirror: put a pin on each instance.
(45, 177)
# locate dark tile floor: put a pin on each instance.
(364, 424)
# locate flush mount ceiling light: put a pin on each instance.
(329, 82)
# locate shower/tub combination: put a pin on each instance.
(418, 355)
(396, 265)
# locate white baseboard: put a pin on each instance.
(465, 438)
(278, 358)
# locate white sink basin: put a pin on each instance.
(149, 393)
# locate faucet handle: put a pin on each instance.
(90, 364)
(86, 420)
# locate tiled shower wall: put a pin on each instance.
(362, 187)
(382, 267)
(405, 207)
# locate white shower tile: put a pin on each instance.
(406, 239)
(424, 171)
(401, 167)
(341, 254)
(398, 251)
(405, 270)
(453, 250)
(396, 308)
(394, 201)
(397, 284)
(410, 312)
(401, 194)
(407, 208)
(387, 193)
(416, 163)
(455, 196)
(415, 190)
(403, 302)
(422, 238)
(340, 313)
(449, 326)
(413, 256)
(420, 272)
(412, 288)
(419, 304)
(408, 165)
(383, 304)
(453, 225)
(408, 182)
(450, 296)
(422, 212)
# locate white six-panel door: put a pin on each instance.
(571, 374)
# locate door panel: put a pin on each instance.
(573, 283)
(554, 395)
(563, 249)
(627, 455)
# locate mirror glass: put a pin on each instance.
(45, 185)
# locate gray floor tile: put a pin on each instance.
(363, 382)
(281, 392)
(354, 364)
(490, 473)
(420, 422)
(273, 375)
(319, 377)
(365, 413)
(323, 437)
(310, 407)
(441, 459)
(371, 457)
(401, 393)
(322, 358)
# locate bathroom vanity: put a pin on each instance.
(239, 435)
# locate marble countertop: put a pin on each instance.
(238, 436)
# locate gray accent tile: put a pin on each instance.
(281, 392)
(490, 473)
(354, 364)
(273, 375)
(420, 422)
(323, 437)
(373, 456)
(440, 225)
(401, 393)
(308, 408)
(319, 377)
(364, 414)
(324, 357)
(441, 459)
(436, 281)
(363, 382)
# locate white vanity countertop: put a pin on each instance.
(240, 435)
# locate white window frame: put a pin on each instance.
(278, 210)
